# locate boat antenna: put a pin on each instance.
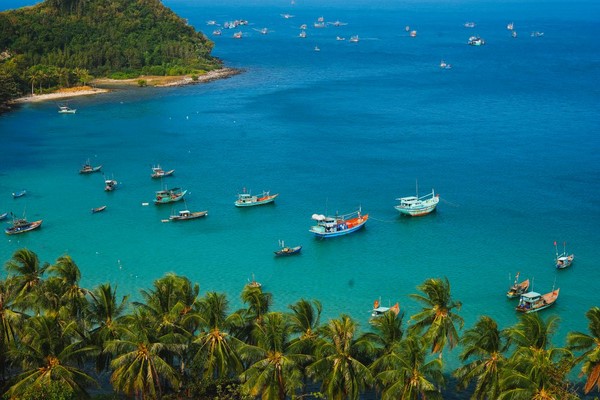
(417, 186)
(556, 249)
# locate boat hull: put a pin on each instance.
(17, 230)
(98, 209)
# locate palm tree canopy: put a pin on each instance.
(437, 315)
(590, 345)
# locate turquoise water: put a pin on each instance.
(507, 137)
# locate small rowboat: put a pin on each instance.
(3, 216)
(16, 195)
(98, 209)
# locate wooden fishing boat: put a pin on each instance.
(518, 288)
(87, 168)
(98, 209)
(169, 195)
(16, 195)
(249, 200)
(186, 215)
(563, 260)
(533, 302)
(416, 206)
(338, 225)
(253, 283)
(287, 251)
(379, 310)
(21, 225)
(158, 172)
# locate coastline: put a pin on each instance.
(105, 85)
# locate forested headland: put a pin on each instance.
(58, 337)
(60, 43)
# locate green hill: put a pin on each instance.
(58, 43)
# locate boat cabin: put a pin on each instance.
(529, 300)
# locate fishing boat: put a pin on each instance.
(21, 193)
(338, 225)
(518, 288)
(379, 310)
(66, 110)
(445, 65)
(416, 206)
(253, 283)
(514, 34)
(287, 251)
(110, 185)
(510, 26)
(3, 216)
(354, 39)
(413, 34)
(185, 215)
(476, 41)
(158, 172)
(87, 168)
(21, 225)
(317, 48)
(469, 24)
(169, 195)
(563, 260)
(248, 200)
(98, 209)
(237, 35)
(302, 34)
(534, 302)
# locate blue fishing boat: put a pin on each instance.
(338, 225)
(16, 195)
(169, 195)
(21, 225)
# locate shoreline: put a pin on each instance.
(106, 85)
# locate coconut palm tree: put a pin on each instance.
(405, 373)
(25, 271)
(215, 349)
(437, 316)
(536, 370)
(141, 365)
(341, 361)
(590, 345)
(10, 321)
(305, 321)
(257, 305)
(71, 296)
(485, 345)
(106, 317)
(388, 330)
(274, 370)
(50, 350)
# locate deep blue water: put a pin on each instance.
(508, 137)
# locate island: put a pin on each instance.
(57, 48)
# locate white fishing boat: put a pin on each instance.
(416, 206)
(476, 41)
(469, 24)
(564, 259)
(66, 110)
(510, 26)
(379, 310)
(354, 39)
(339, 38)
(445, 65)
(302, 34)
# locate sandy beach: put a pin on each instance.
(104, 85)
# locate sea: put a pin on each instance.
(508, 137)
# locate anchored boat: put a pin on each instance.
(338, 225)
(248, 200)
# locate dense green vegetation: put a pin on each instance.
(56, 337)
(61, 42)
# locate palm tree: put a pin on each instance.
(305, 321)
(590, 344)
(215, 348)
(274, 372)
(72, 297)
(25, 270)
(388, 330)
(141, 360)
(258, 304)
(485, 344)
(106, 316)
(341, 361)
(437, 315)
(404, 373)
(535, 371)
(50, 350)
(10, 321)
